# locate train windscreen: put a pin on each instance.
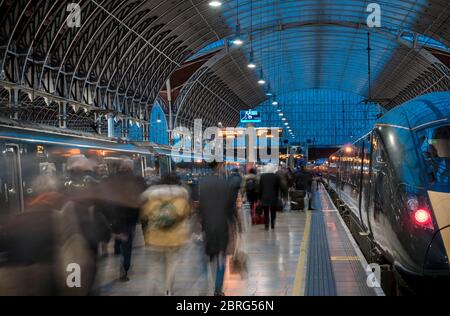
(435, 149)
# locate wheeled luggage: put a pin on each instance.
(297, 200)
(257, 214)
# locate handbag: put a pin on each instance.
(239, 260)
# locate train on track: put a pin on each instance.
(28, 151)
(393, 184)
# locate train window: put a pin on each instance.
(435, 149)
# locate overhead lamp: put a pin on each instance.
(238, 41)
(269, 89)
(283, 119)
(251, 63)
(261, 80)
(278, 110)
(281, 113)
(275, 103)
(287, 124)
(215, 4)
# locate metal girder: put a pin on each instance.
(118, 59)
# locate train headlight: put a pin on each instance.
(422, 217)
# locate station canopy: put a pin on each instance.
(118, 59)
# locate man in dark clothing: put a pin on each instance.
(251, 187)
(123, 191)
(235, 181)
(269, 190)
(217, 214)
(284, 180)
(303, 181)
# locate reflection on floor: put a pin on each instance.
(330, 262)
(273, 257)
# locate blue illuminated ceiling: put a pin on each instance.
(321, 44)
(313, 56)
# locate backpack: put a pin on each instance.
(166, 207)
(166, 216)
(251, 185)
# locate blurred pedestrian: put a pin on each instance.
(235, 181)
(217, 212)
(250, 187)
(303, 181)
(269, 191)
(164, 216)
(284, 185)
(123, 216)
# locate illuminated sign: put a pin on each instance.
(250, 116)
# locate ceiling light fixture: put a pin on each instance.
(215, 4)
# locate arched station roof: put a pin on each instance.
(123, 52)
(322, 44)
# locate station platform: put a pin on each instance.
(308, 254)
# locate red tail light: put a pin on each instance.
(422, 217)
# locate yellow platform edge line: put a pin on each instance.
(299, 289)
(344, 258)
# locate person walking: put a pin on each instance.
(218, 216)
(269, 191)
(250, 187)
(165, 219)
(284, 186)
(123, 215)
(303, 181)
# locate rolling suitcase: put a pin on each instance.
(257, 215)
(298, 200)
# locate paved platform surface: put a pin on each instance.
(308, 253)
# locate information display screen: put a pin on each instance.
(250, 116)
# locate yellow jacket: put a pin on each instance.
(156, 198)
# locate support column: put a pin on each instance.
(14, 102)
(98, 123)
(169, 99)
(110, 127)
(62, 109)
(145, 132)
(124, 128)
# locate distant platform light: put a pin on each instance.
(261, 81)
(287, 124)
(215, 4)
(281, 114)
(283, 119)
(274, 103)
(269, 94)
(251, 65)
(238, 42)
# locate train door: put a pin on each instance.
(11, 180)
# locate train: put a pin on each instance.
(29, 151)
(393, 184)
